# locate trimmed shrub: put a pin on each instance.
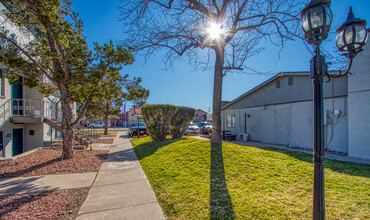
(180, 121)
(157, 119)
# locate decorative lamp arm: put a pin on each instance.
(341, 73)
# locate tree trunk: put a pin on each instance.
(67, 130)
(106, 112)
(217, 93)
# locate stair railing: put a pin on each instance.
(5, 112)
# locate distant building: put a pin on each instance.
(280, 111)
(200, 115)
(131, 117)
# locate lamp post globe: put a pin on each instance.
(316, 20)
(352, 36)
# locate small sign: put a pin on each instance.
(8, 135)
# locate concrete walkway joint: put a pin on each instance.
(121, 189)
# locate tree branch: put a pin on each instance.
(28, 56)
(83, 111)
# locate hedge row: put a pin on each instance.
(160, 119)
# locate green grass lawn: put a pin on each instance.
(193, 180)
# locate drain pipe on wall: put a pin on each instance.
(245, 123)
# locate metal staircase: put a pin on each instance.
(5, 112)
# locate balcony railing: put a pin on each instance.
(31, 108)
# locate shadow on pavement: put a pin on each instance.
(11, 186)
(121, 156)
(220, 201)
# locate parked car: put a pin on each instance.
(192, 129)
(135, 127)
(206, 127)
(201, 124)
(97, 124)
(84, 123)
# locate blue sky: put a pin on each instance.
(181, 85)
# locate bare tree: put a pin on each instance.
(184, 27)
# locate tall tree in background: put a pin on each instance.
(109, 95)
(58, 59)
(231, 29)
(136, 93)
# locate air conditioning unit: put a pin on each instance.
(37, 113)
(244, 137)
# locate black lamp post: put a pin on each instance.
(316, 20)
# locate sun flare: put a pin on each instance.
(215, 30)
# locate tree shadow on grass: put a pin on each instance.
(220, 201)
(149, 148)
(353, 169)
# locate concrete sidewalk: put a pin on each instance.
(35, 184)
(121, 189)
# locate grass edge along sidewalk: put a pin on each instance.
(193, 180)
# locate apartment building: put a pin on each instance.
(27, 118)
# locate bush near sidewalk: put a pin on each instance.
(180, 121)
(157, 119)
(194, 180)
(161, 119)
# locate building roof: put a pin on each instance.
(281, 74)
(200, 110)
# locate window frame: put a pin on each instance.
(278, 84)
(230, 120)
(290, 81)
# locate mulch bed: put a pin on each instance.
(49, 162)
(103, 141)
(62, 204)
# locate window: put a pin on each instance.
(290, 81)
(230, 121)
(278, 84)
(2, 153)
(2, 83)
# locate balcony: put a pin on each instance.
(25, 111)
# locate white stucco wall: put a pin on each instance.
(359, 105)
(33, 141)
(292, 124)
